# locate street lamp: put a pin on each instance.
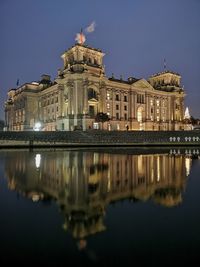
(37, 126)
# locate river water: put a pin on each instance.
(116, 207)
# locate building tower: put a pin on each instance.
(78, 84)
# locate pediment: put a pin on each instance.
(143, 84)
(93, 100)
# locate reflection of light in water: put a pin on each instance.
(158, 169)
(35, 197)
(109, 183)
(37, 160)
(152, 175)
(187, 165)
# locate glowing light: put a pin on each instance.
(37, 160)
(37, 126)
(187, 114)
(187, 166)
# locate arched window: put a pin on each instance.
(92, 94)
(84, 59)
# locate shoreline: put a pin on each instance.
(98, 138)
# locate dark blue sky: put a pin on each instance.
(136, 36)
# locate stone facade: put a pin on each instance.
(81, 90)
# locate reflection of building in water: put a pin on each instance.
(84, 183)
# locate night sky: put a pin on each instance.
(136, 36)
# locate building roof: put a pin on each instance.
(86, 46)
(130, 80)
(164, 72)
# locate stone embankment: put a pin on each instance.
(99, 138)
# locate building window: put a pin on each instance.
(125, 98)
(117, 98)
(91, 111)
(117, 107)
(151, 102)
(151, 110)
(108, 105)
(92, 94)
(125, 107)
(125, 117)
(157, 110)
(151, 118)
(157, 118)
(108, 96)
(140, 99)
(117, 116)
(157, 103)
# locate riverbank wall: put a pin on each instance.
(99, 138)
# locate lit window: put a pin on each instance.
(108, 96)
(151, 118)
(158, 118)
(157, 110)
(151, 102)
(108, 105)
(157, 103)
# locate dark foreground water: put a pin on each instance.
(100, 208)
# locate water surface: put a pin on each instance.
(100, 208)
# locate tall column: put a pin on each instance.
(85, 97)
(60, 99)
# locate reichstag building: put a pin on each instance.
(81, 90)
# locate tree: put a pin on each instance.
(1, 125)
(102, 117)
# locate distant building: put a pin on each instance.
(81, 90)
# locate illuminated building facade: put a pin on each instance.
(81, 90)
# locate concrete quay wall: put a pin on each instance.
(99, 138)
